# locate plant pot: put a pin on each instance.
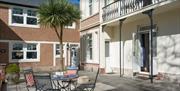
(12, 78)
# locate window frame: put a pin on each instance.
(18, 15)
(25, 51)
(25, 16)
(71, 27)
(31, 50)
(30, 16)
(14, 50)
(90, 7)
(89, 47)
(58, 56)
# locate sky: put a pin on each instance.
(75, 1)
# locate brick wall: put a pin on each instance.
(32, 34)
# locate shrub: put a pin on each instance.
(12, 68)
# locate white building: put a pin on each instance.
(116, 36)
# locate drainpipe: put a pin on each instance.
(150, 15)
(120, 31)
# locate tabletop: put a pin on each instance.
(63, 77)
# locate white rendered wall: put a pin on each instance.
(84, 7)
(168, 42)
(95, 44)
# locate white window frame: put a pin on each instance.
(24, 17)
(90, 55)
(24, 52)
(58, 56)
(71, 27)
(90, 5)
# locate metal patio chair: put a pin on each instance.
(72, 71)
(28, 76)
(43, 83)
(88, 86)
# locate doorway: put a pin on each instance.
(74, 56)
(141, 50)
(144, 45)
(107, 57)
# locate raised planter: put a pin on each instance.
(12, 73)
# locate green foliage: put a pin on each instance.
(12, 68)
(57, 13)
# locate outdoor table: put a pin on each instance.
(63, 81)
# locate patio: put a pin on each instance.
(112, 82)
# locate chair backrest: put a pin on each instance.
(72, 70)
(28, 75)
(43, 82)
(96, 76)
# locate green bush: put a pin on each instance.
(12, 68)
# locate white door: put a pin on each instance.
(107, 57)
(136, 53)
(74, 56)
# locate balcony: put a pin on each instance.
(122, 8)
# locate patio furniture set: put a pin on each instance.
(57, 81)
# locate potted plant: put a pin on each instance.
(12, 73)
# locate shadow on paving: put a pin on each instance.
(4, 87)
(147, 87)
(112, 82)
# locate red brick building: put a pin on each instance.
(24, 41)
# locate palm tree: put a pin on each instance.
(56, 14)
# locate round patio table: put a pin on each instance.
(63, 81)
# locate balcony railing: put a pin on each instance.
(123, 7)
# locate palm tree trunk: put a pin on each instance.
(61, 47)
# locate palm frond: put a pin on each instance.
(58, 12)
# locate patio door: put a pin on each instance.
(107, 57)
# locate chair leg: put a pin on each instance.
(92, 89)
(27, 88)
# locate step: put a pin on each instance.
(143, 75)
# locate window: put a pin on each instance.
(31, 51)
(71, 25)
(31, 17)
(89, 46)
(17, 52)
(90, 7)
(58, 50)
(22, 51)
(17, 16)
(20, 16)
